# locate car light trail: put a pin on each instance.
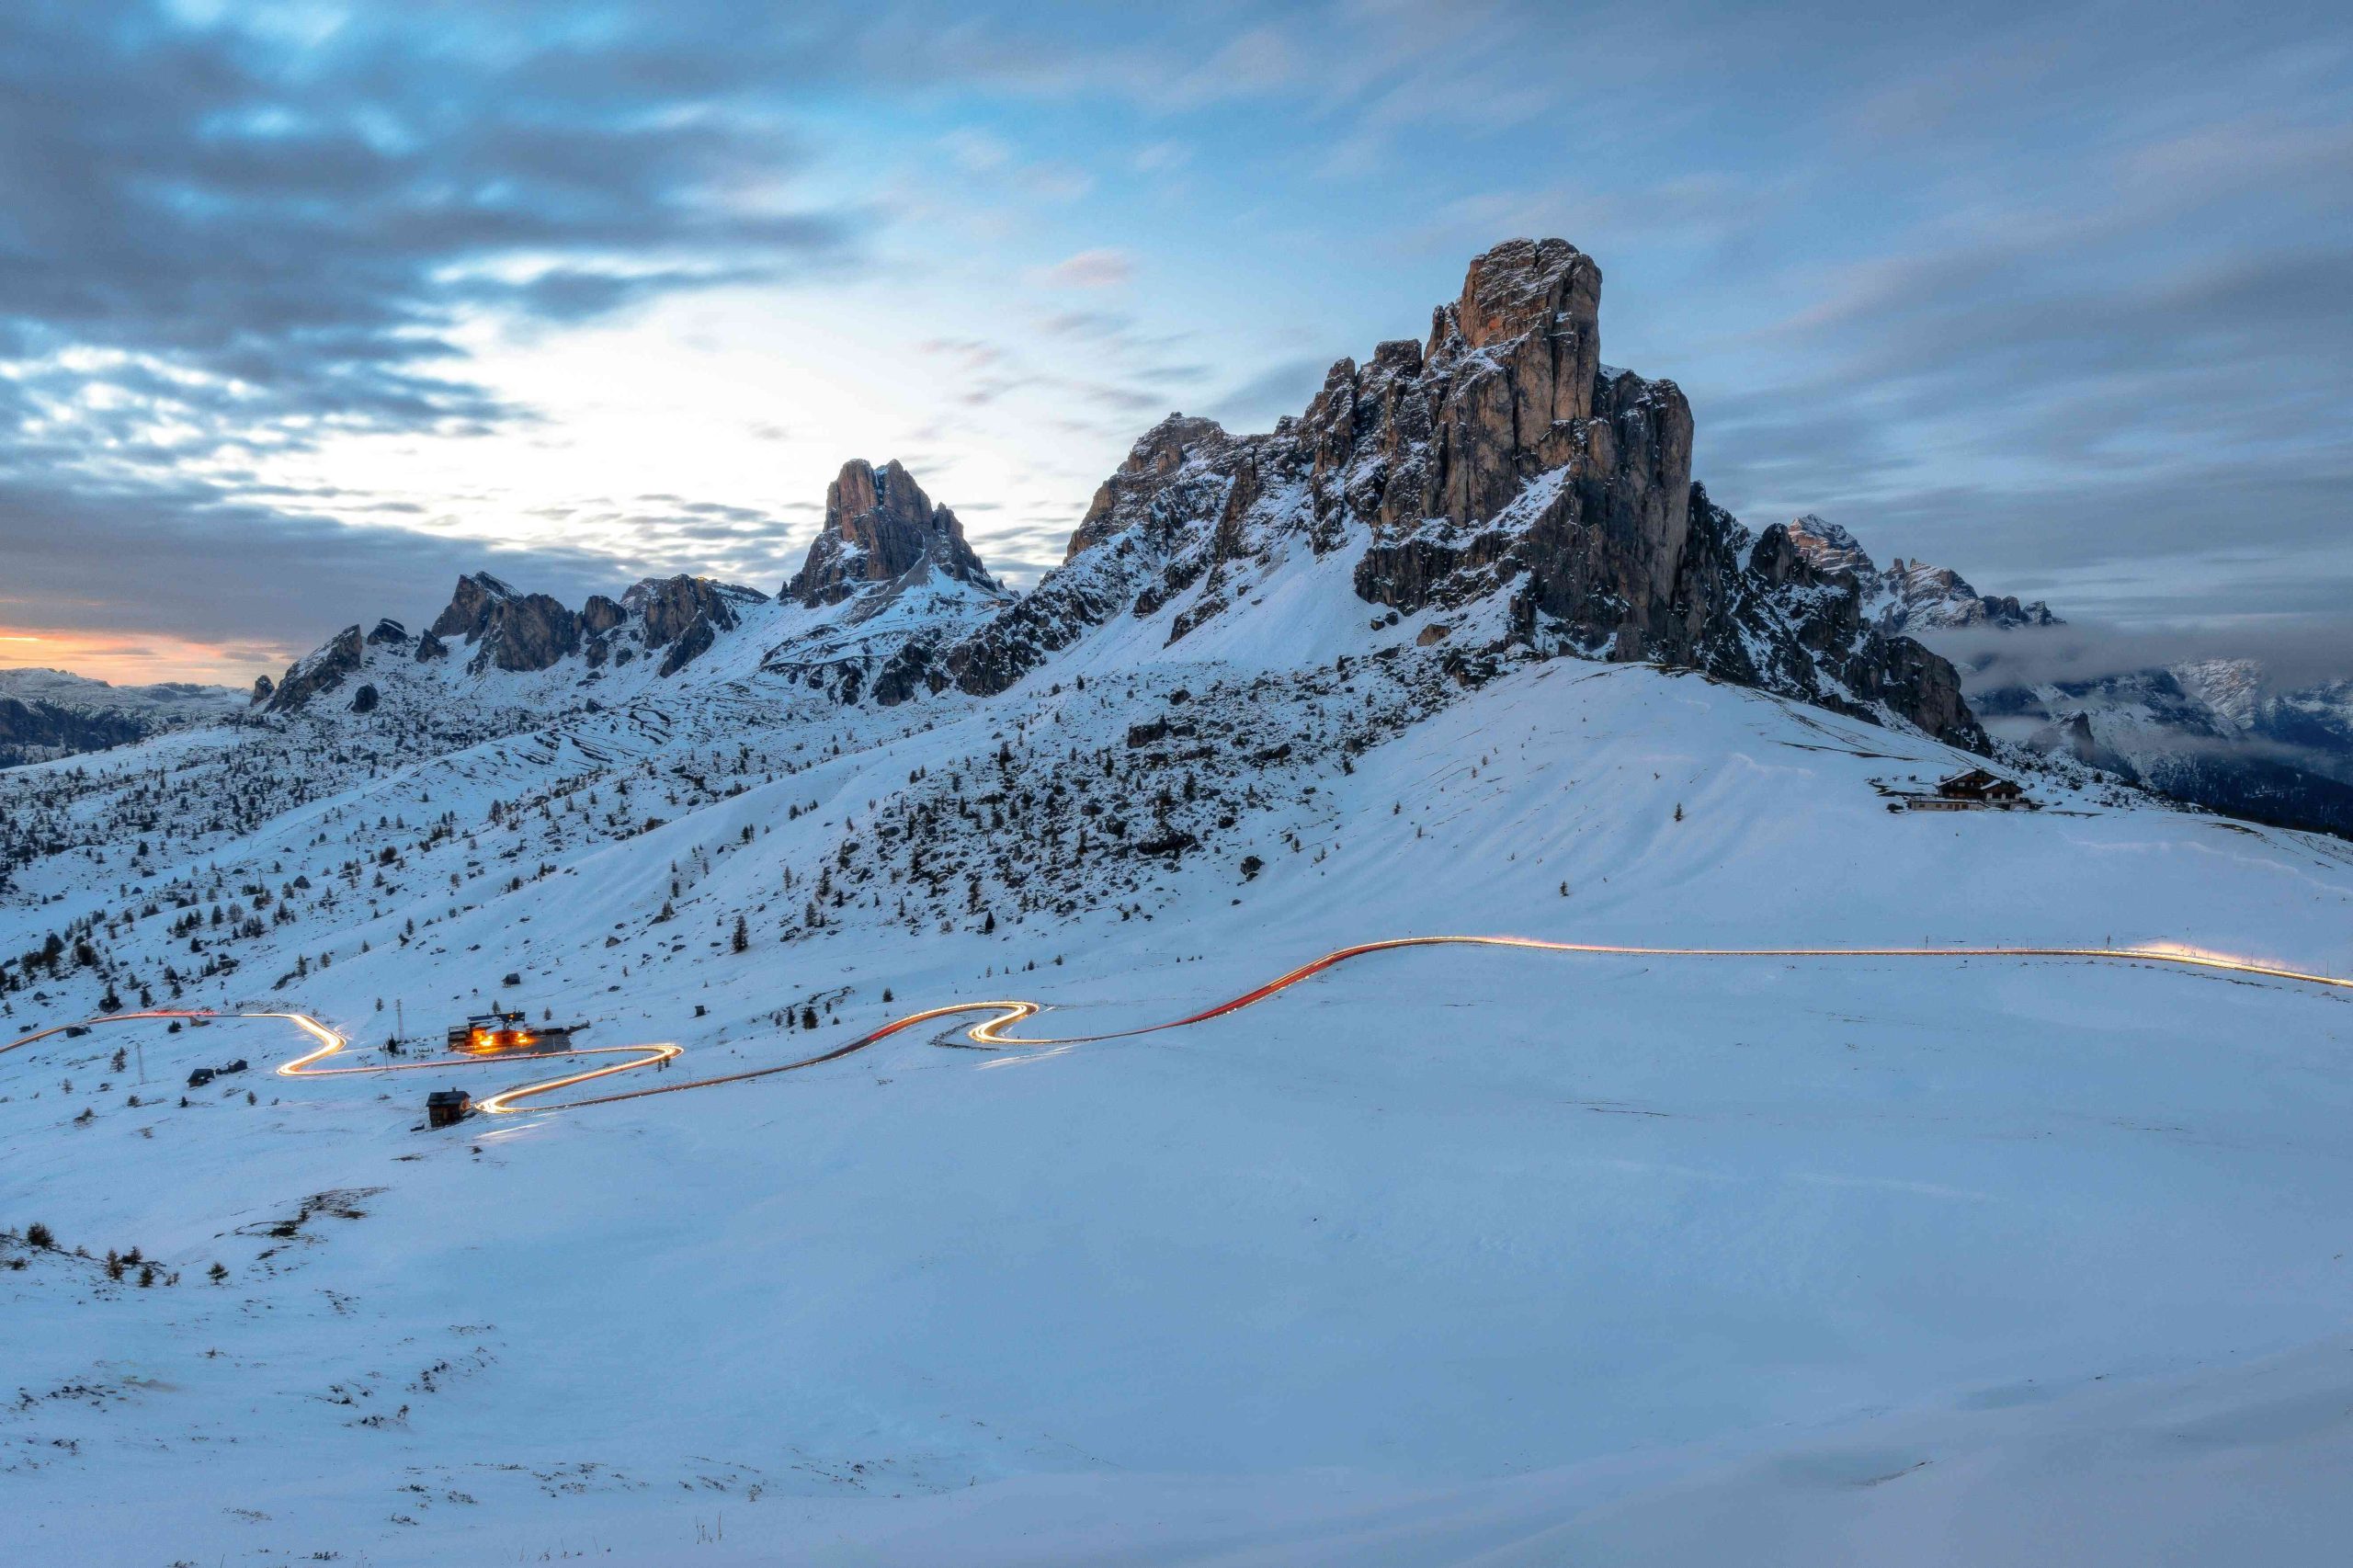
(330, 1043)
(1002, 1015)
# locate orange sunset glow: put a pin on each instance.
(128, 659)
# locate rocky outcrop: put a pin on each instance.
(1912, 597)
(366, 700)
(600, 615)
(477, 598)
(263, 688)
(507, 629)
(318, 672)
(531, 633)
(1830, 546)
(673, 607)
(389, 633)
(686, 615)
(429, 647)
(881, 529)
(1922, 597)
(1498, 473)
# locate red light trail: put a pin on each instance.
(1002, 1015)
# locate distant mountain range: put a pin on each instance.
(2218, 732)
(1495, 490)
(49, 714)
(1492, 492)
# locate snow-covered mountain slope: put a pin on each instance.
(1449, 1254)
(2207, 732)
(1446, 1253)
(49, 714)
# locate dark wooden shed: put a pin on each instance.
(1977, 784)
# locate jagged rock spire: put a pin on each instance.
(881, 527)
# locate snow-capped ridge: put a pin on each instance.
(1494, 485)
(1495, 478)
(1911, 596)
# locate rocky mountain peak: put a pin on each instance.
(1830, 546)
(685, 614)
(1150, 466)
(1915, 596)
(510, 630)
(1524, 286)
(477, 598)
(881, 529)
(1539, 301)
(318, 672)
(1501, 476)
(1909, 596)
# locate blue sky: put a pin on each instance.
(306, 308)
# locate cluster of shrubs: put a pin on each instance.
(119, 1266)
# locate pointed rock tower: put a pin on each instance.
(881, 528)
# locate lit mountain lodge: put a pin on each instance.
(496, 1034)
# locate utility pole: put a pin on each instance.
(141, 1047)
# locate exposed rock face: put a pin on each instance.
(430, 647)
(600, 615)
(478, 595)
(674, 606)
(389, 633)
(263, 687)
(529, 633)
(319, 671)
(1499, 473)
(881, 528)
(1916, 597)
(366, 698)
(1791, 625)
(510, 630)
(686, 615)
(1829, 547)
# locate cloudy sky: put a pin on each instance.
(305, 308)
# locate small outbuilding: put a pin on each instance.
(447, 1108)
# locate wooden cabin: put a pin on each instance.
(1977, 784)
(447, 1108)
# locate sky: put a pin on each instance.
(305, 309)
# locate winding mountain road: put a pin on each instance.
(990, 1030)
